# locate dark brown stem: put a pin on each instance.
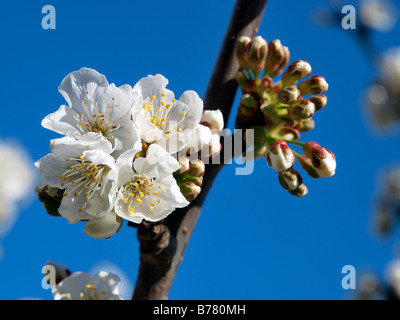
(162, 245)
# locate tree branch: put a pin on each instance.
(162, 245)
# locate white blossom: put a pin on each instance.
(147, 189)
(94, 105)
(85, 169)
(81, 286)
(160, 118)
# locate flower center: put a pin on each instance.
(158, 115)
(85, 177)
(97, 121)
(141, 189)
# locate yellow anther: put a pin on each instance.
(153, 98)
(183, 113)
(162, 94)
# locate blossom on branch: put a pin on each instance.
(81, 286)
(123, 150)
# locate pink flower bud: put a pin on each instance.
(242, 50)
(190, 190)
(324, 162)
(305, 109)
(301, 191)
(290, 179)
(280, 156)
(197, 168)
(309, 147)
(289, 95)
(313, 85)
(277, 58)
(319, 101)
(257, 54)
(296, 71)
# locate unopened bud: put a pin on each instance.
(277, 58)
(295, 72)
(319, 101)
(305, 125)
(242, 50)
(257, 54)
(301, 191)
(303, 110)
(185, 164)
(289, 95)
(290, 179)
(196, 168)
(266, 85)
(288, 133)
(313, 85)
(103, 227)
(324, 162)
(308, 166)
(309, 147)
(190, 190)
(213, 119)
(280, 156)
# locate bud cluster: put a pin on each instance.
(283, 107)
(191, 180)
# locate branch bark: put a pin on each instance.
(162, 244)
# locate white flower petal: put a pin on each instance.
(84, 84)
(158, 163)
(62, 122)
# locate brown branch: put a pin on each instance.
(163, 244)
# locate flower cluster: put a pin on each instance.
(123, 150)
(278, 111)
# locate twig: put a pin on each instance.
(163, 244)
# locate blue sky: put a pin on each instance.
(253, 240)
